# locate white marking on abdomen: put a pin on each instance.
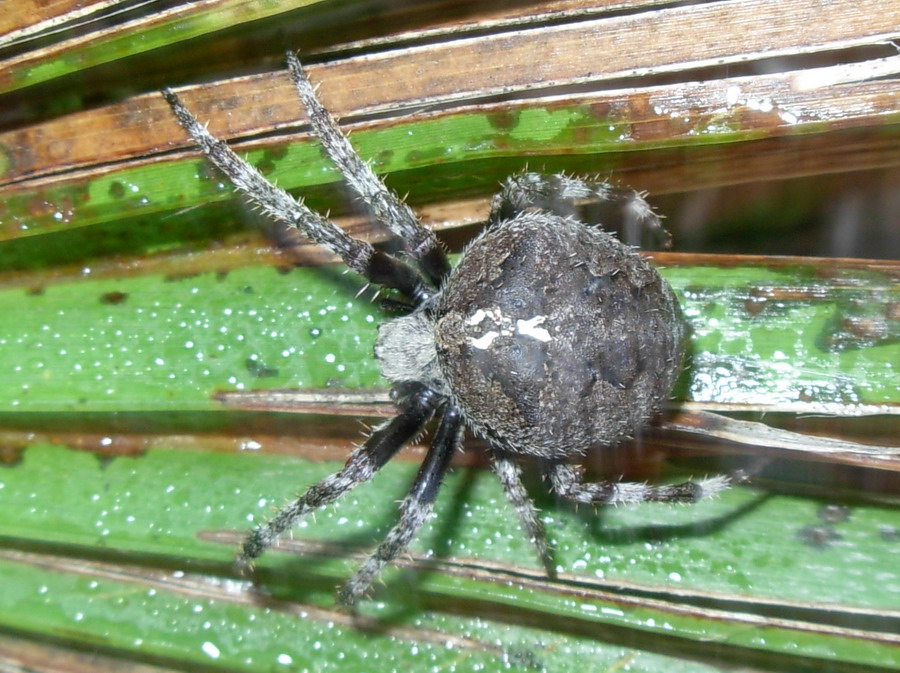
(527, 328)
(530, 328)
(483, 342)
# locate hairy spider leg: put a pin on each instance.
(607, 204)
(375, 265)
(567, 482)
(419, 242)
(510, 474)
(416, 407)
(416, 507)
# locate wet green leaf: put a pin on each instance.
(122, 555)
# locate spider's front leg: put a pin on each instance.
(417, 404)
(594, 202)
(419, 243)
(567, 481)
(375, 265)
(415, 509)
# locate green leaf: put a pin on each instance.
(153, 343)
(122, 556)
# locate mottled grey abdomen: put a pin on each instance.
(556, 337)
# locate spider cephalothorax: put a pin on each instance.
(550, 336)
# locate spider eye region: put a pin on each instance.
(553, 336)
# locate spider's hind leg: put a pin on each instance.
(568, 483)
(510, 475)
(594, 202)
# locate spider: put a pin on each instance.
(550, 336)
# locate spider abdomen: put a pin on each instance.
(554, 336)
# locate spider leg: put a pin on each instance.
(415, 509)
(567, 482)
(510, 475)
(375, 265)
(592, 202)
(417, 406)
(420, 243)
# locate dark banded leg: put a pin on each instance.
(377, 266)
(594, 202)
(416, 408)
(510, 475)
(420, 242)
(415, 509)
(566, 481)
